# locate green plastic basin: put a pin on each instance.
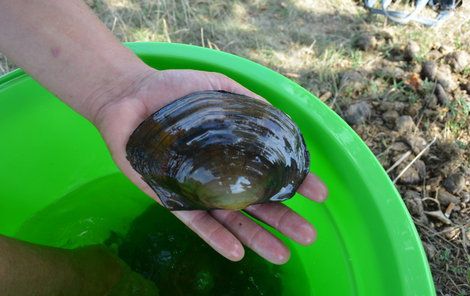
(367, 243)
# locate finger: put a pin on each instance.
(253, 236)
(237, 88)
(231, 85)
(313, 188)
(285, 220)
(213, 233)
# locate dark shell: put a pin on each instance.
(219, 150)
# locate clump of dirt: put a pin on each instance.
(418, 127)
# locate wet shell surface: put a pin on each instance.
(219, 150)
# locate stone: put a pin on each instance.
(392, 72)
(429, 70)
(414, 203)
(421, 168)
(458, 60)
(411, 51)
(465, 197)
(414, 174)
(445, 198)
(454, 183)
(399, 147)
(413, 109)
(416, 143)
(441, 95)
(405, 124)
(433, 55)
(390, 117)
(387, 105)
(358, 112)
(352, 81)
(444, 77)
(365, 42)
(385, 35)
(431, 101)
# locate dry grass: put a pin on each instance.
(5, 65)
(296, 36)
(300, 38)
(310, 42)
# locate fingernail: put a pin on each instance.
(306, 235)
(280, 257)
(323, 192)
(237, 252)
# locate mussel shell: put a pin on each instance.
(219, 150)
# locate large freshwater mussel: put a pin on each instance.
(219, 150)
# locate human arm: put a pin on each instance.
(68, 50)
(30, 269)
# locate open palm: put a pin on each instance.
(224, 230)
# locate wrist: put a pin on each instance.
(121, 82)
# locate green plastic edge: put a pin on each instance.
(10, 76)
(143, 49)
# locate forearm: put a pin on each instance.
(26, 269)
(29, 269)
(63, 45)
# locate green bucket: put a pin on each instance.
(367, 243)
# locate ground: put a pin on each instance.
(404, 89)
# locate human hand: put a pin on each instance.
(117, 117)
(82, 63)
